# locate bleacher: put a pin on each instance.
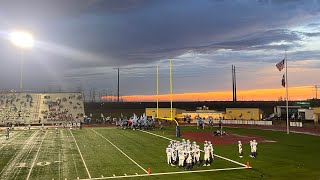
(38, 108)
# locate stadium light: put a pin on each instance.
(22, 39)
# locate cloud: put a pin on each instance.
(83, 40)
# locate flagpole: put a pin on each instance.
(287, 103)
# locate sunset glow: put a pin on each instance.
(295, 93)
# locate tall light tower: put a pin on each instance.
(118, 95)
(23, 40)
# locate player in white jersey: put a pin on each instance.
(240, 149)
(25, 130)
(174, 155)
(211, 151)
(205, 143)
(189, 159)
(194, 144)
(254, 148)
(7, 133)
(206, 155)
(197, 155)
(171, 144)
(169, 154)
(181, 157)
(57, 130)
(188, 143)
(251, 149)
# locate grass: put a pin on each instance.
(105, 152)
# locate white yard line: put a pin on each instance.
(236, 162)
(156, 135)
(121, 151)
(277, 130)
(18, 157)
(85, 165)
(169, 173)
(36, 157)
(10, 140)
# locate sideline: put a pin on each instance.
(168, 173)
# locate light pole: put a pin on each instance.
(316, 87)
(23, 40)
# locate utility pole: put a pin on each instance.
(118, 98)
(234, 84)
(126, 68)
(118, 84)
(316, 87)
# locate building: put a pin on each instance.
(306, 114)
(163, 112)
(281, 111)
(316, 111)
(243, 113)
(203, 114)
(180, 113)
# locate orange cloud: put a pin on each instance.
(295, 93)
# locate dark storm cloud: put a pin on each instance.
(259, 41)
(88, 34)
(130, 32)
(317, 34)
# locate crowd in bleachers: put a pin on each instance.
(15, 105)
(61, 108)
(37, 107)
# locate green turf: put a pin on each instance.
(56, 156)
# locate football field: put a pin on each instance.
(111, 153)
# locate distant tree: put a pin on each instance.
(315, 102)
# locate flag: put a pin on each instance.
(280, 65)
(283, 81)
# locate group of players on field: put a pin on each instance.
(253, 148)
(187, 154)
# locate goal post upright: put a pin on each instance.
(171, 111)
(171, 106)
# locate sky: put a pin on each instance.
(80, 43)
